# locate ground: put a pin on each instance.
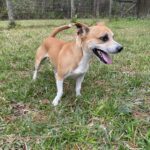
(113, 111)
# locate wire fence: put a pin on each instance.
(49, 9)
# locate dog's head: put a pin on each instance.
(99, 40)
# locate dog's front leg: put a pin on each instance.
(59, 84)
(79, 81)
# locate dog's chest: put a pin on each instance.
(82, 66)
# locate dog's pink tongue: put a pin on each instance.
(107, 58)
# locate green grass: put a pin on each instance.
(113, 111)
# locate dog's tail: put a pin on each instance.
(61, 28)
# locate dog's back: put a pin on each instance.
(50, 47)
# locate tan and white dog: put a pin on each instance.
(72, 58)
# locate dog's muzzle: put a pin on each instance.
(103, 56)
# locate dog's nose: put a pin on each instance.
(119, 48)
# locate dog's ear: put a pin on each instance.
(82, 29)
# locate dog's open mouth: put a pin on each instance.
(103, 56)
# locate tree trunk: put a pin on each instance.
(110, 7)
(9, 5)
(43, 6)
(143, 8)
(72, 9)
(96, 8)
(121, 9)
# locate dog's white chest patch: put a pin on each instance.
(82, 67)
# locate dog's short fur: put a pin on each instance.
(72, 58)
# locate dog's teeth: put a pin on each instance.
(100, 53)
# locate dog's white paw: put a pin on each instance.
(55, 103)
(78, 94)
(34, 75)
(33, 79)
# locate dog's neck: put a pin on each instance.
(82, 48)
(82, 52)
(83, 63)
(86, 55)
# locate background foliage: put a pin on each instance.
(37, 9)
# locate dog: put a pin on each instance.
(72, 58)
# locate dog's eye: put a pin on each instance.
(104, 38)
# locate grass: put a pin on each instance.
(113, 111)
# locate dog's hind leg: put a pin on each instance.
(40, 55)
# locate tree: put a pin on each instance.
(72, 9)
(9, 5)
(143, 8)
(110, 8)
(96, 8)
